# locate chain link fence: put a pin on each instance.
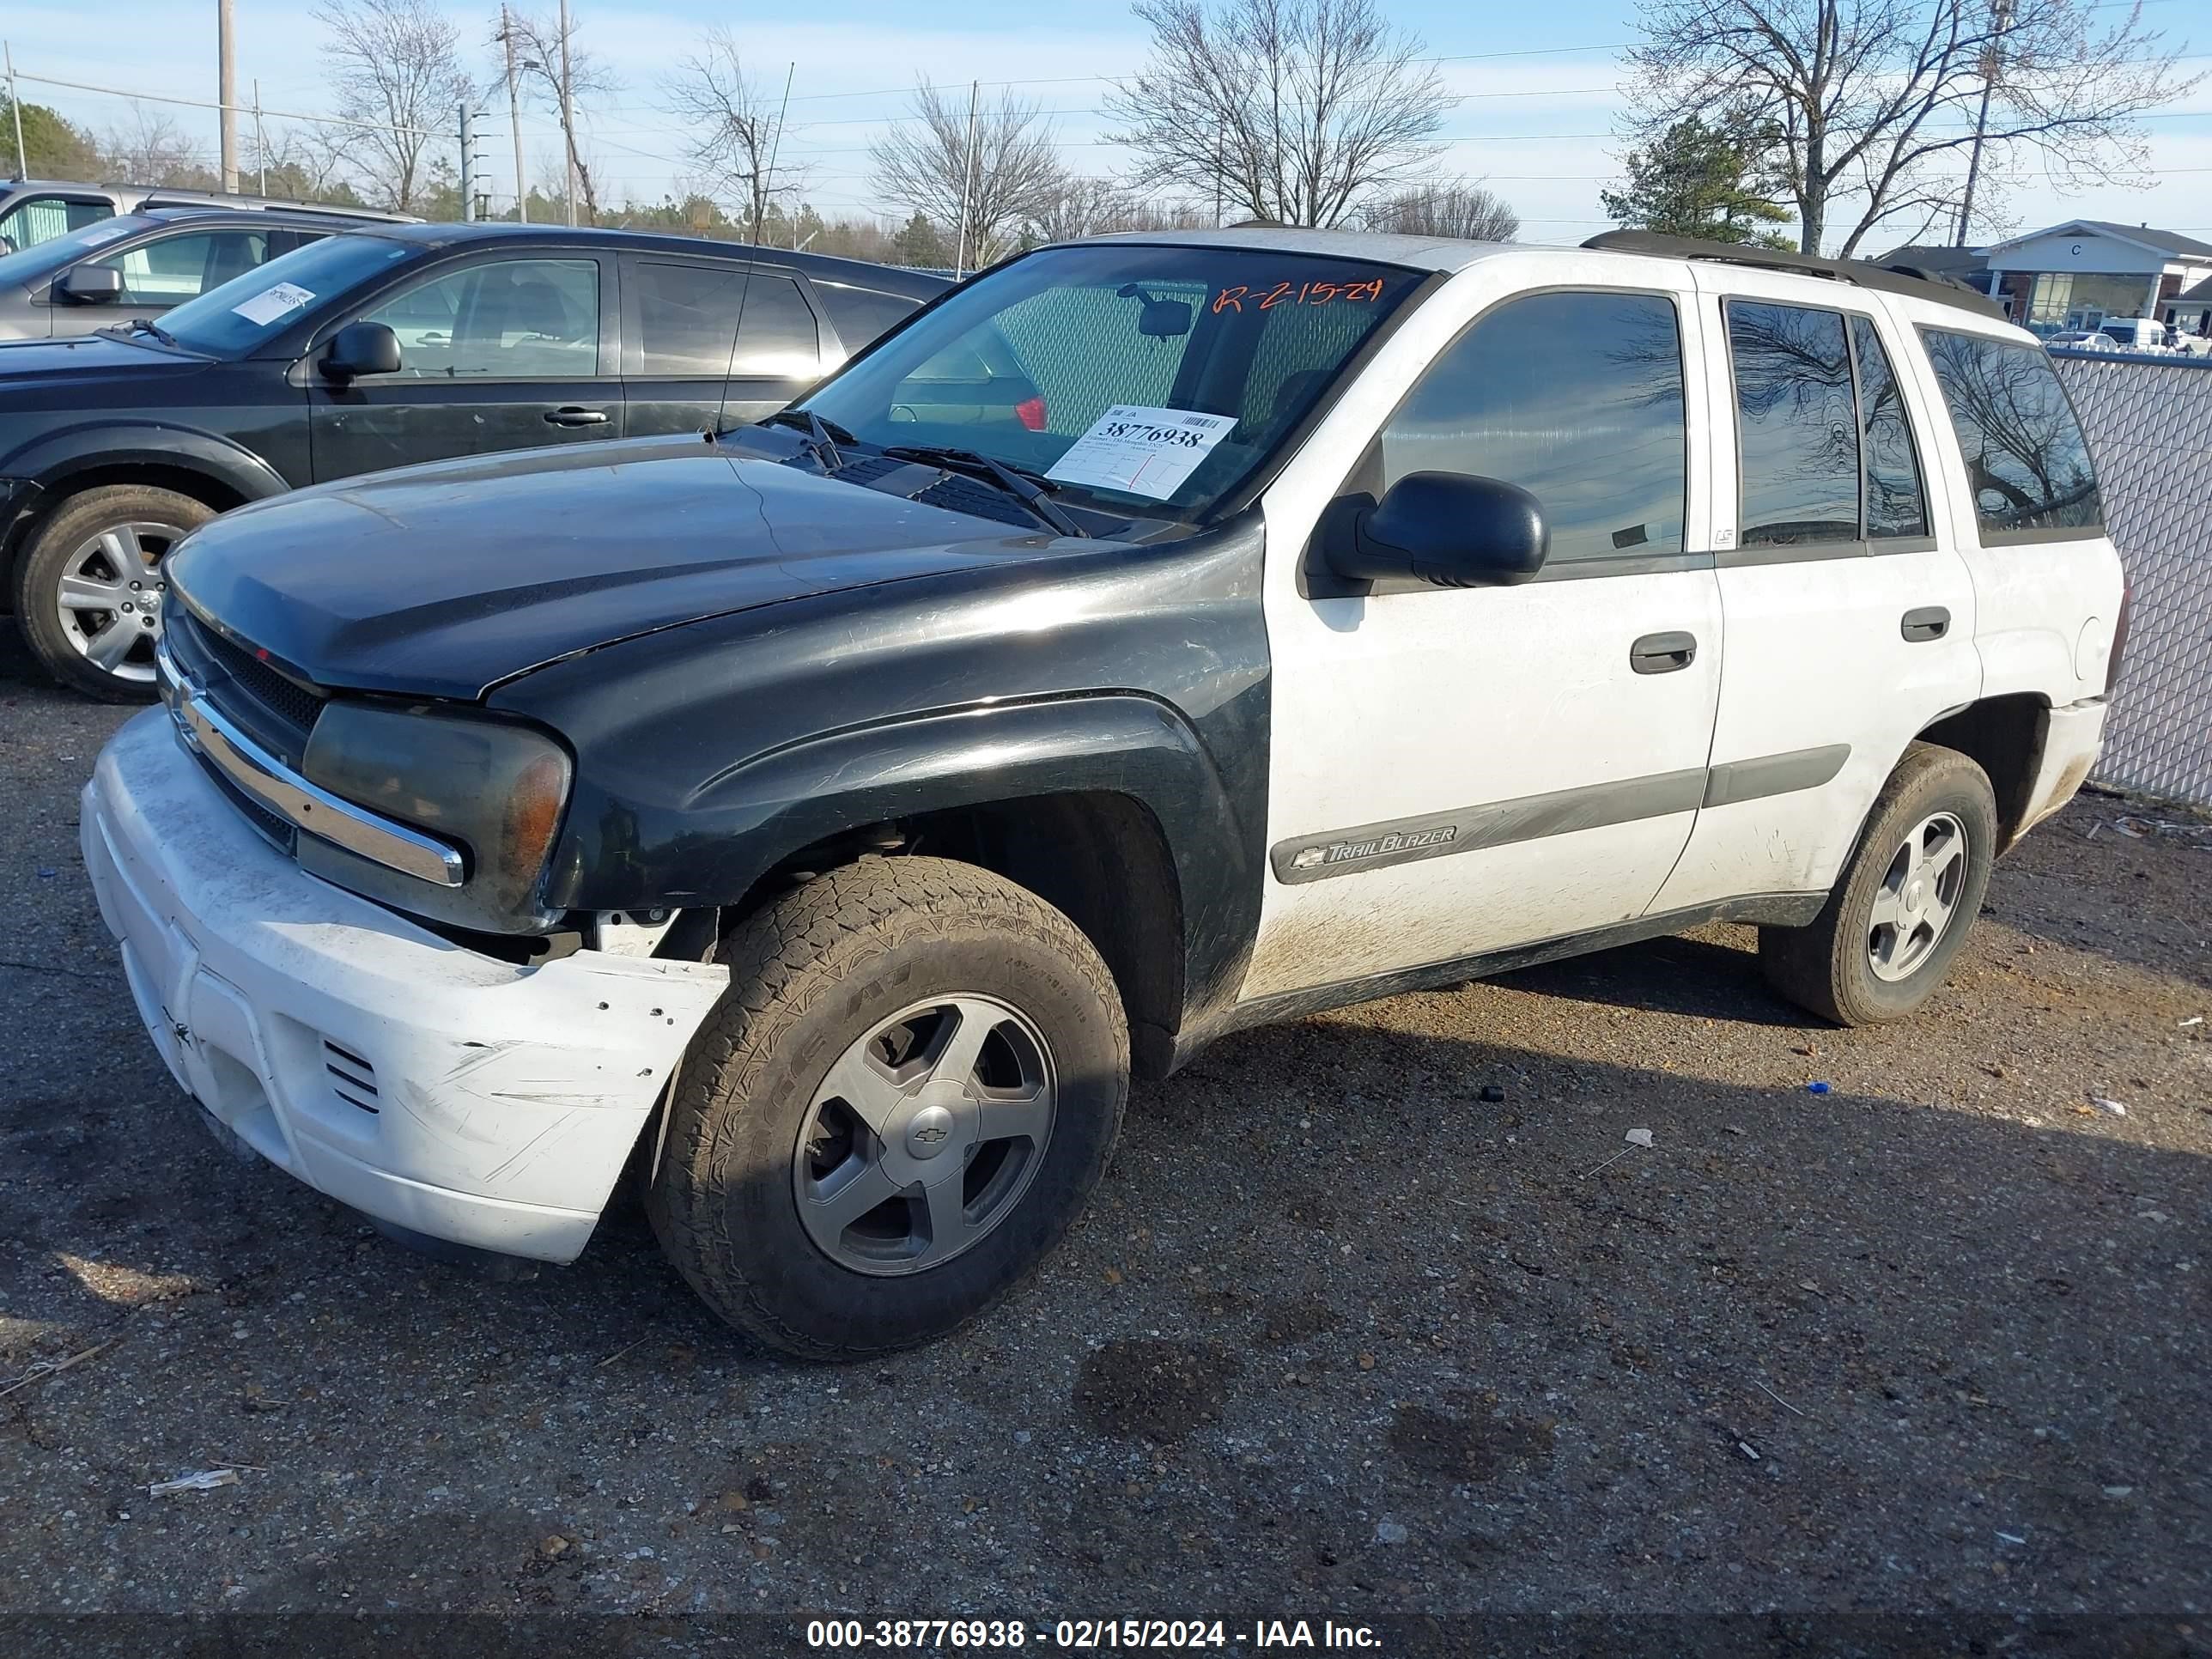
(2149, 420)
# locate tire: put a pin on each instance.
(104, 539)
(757, 1128)
(1835, 966)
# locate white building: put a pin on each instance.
(2077, 274)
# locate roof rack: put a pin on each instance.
(1909, 280)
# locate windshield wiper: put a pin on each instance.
(1032, 489)
(155, 329)
(823, 436)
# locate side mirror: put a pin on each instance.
(362, 349)
(1446, 529)
(91, 285)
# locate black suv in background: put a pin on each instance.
(385, 346)
(141, 264)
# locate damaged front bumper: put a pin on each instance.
(441, 1090)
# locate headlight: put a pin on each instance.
(494, 788)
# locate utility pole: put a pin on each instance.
(568, 114)
(468, 165)
(260, 138)
(2000, 15)
(514, 121)
(226, 90)
(16, 104)
(967, 184)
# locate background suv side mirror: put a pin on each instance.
(362, 349)
(91, 285)
(1447, 529)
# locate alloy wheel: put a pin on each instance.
(1918, 897)
(924, 1135)
(110, 596)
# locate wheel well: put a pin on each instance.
(2004, 737)
(184, 480)
(1099, 858)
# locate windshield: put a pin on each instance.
(247, 311)
(1152, 378)
(42, 260)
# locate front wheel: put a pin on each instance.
(1904, 903)
(93, 583)
(904, 1100)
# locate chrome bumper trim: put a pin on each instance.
(203, 730)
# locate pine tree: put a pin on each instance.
(1708, 180)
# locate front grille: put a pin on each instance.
(280, 694)
(353, 1079)
(272, 829)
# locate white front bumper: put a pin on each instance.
(506, 1098)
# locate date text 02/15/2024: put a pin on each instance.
(1088, 1634)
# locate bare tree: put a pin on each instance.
(547, 53)
(1877, 104)
(1080, 207)
(309, 162)
(733, 124)
(149, 148)
(1293, 111)
(395, 64)
(1457, 209)
(993, 185)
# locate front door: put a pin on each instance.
(505, 353)
(704, 341)
(1458, 771)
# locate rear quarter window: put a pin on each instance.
(861, 313)
(2028, 462)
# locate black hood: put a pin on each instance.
(443, 580)
(35, 365)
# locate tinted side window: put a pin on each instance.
(509, 319)
(779, 340)
(2025, 457)
(861, 313)
(1893, 504)
(687, 317)
(1796, 428)
(41, 218)
(1576, 398)
(180, 268)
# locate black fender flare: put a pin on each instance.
(50, 460)
(41, 469)
(743, 821)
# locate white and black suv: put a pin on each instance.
(1150, 637)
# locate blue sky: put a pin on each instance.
(1538, 87)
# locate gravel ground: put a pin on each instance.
(1340, 1337)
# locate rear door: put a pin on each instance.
(1850, 611)
(703, 338)
(507, 352)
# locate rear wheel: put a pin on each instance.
(905, 1099)
(1905, 902)
(91, 587)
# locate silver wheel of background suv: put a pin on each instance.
(109, 597)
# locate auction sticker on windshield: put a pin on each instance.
(271, 303)
(1139, 450)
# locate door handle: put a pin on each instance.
(1929, 622)
(571, 415)
(1663, 654)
